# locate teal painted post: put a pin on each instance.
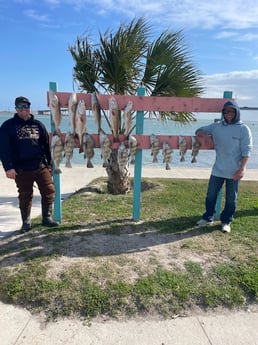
(226, 94)
(57, 216)
(138, 163)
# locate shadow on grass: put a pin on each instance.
(112, 237)
(103, 238)
(120, 236)
(246, 213)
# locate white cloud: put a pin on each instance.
(242, 84)
(233, 14)
(38, 17)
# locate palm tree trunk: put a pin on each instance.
(118, 181)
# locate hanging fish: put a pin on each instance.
(55, 109)
(132, 148)
(88, 148)
(128, 118)
(167, 154)
(122, 157)
(57, 148)
(68, 148)
(154, 147)
(105, 147)
(195, 149)
(96, 110)
(80, 121)
(182, 147)
(114, 117)
(72, 104)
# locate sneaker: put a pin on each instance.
(225, 227)
(203, 222)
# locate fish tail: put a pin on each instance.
(89, 164)
(68, 164)
(57, 171)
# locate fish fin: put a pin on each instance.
(89, 164)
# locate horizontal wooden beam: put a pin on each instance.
(143, 141)
(150, 103)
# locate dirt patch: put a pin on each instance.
(126, 256)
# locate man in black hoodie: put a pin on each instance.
(26, 158)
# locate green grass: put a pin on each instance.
(100, 262)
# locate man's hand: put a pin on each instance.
(50, 169)
(238, 174)
(11, 174)
(204, 140)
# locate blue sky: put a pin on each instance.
(222, 37)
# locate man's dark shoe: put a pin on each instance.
(49, 222)
(25, 228)
(47, 216)
(26, 221)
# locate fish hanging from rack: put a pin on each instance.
(105, 147)
(154, 141)
(127, 115)
(57, 149)
(114, 117)
(80, 122)
(96, 110)
(167, 154)
(132, 144)
(55, 109)
(195, 149)
(69, 145)
(88, 148)
(182, 147)
(72, 105)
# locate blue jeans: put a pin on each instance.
(214, 187)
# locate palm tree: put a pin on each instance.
(128, 58)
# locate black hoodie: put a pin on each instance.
(24, 145)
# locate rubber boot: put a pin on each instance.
(26, 221)
(47, 216)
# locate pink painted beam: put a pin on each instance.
(144, 141)
(150, 103)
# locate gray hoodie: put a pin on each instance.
(232, 142)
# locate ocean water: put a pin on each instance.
(205, 158)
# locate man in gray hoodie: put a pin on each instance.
(232, 141)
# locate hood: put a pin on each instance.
(234, 105)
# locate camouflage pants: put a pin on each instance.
(24, 182)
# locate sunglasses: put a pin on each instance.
(23, 106)
(230, 111)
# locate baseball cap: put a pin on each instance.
(21, 99)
